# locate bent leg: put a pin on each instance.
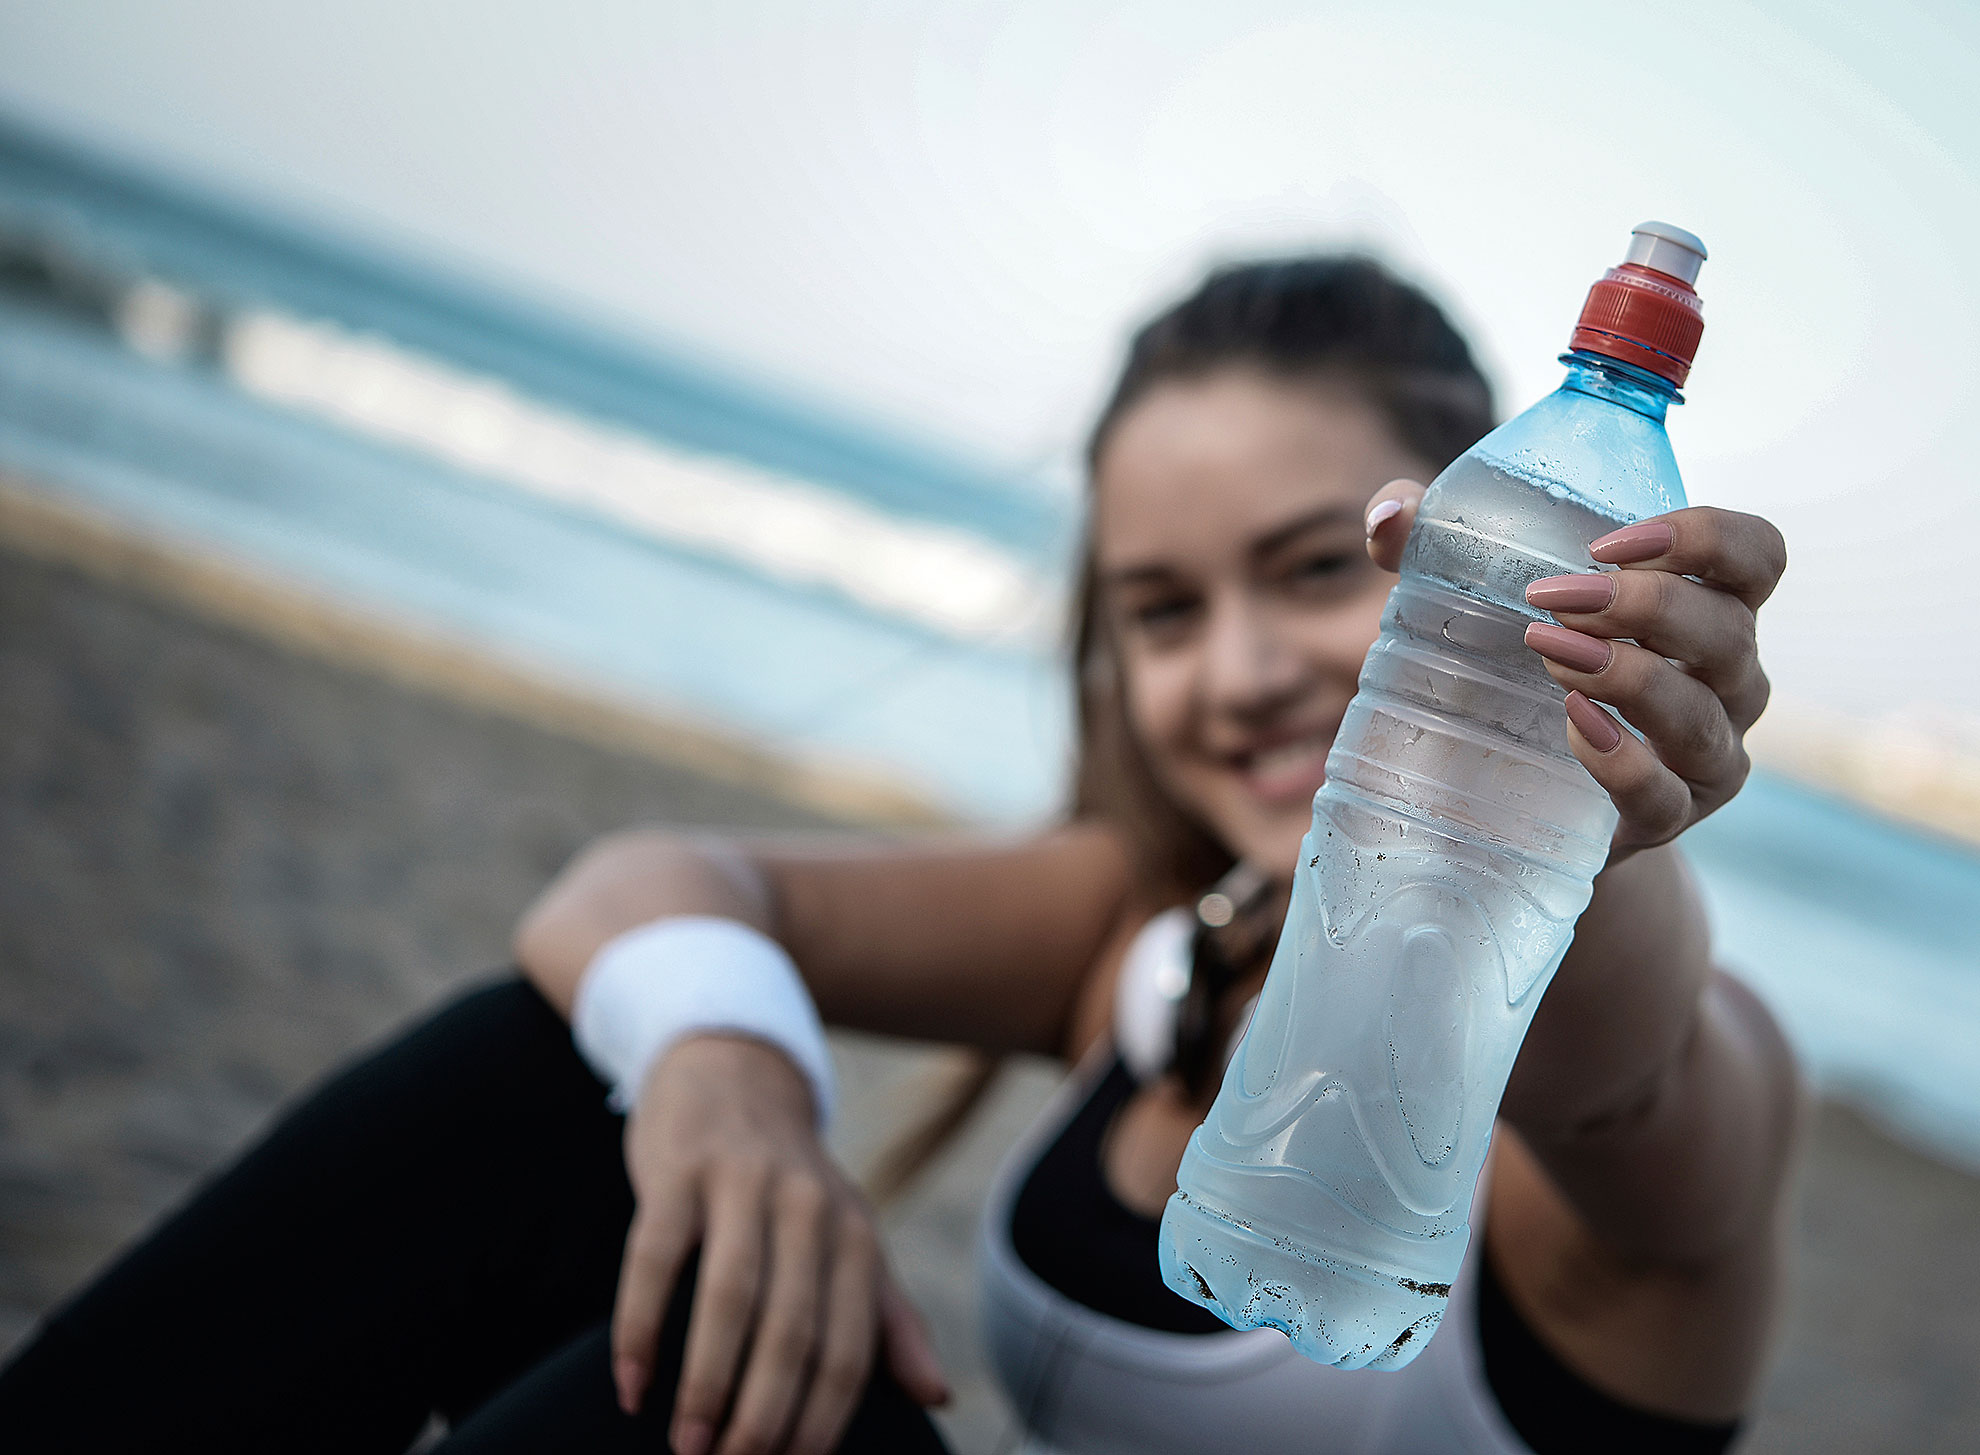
(428, 1224)
(566, 1403)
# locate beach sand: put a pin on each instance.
(225, 865)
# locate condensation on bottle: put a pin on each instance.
(1454, 844)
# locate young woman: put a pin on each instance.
(461, 1225)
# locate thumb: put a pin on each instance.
(1391, 513)
(910, 1354)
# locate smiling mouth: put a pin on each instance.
(1288, 771)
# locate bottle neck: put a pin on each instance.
(1638, 390)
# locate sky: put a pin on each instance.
(945, 218)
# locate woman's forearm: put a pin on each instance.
(975, 942)
(622, 881)
(1658, 1094)
(1623, 1002)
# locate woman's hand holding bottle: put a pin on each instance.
(1667, 638)
(792, 1297)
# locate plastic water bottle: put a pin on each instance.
(1453, 846)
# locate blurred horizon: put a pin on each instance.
(942, 220)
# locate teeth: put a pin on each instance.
(1288, 755)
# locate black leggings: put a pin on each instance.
(436, 1231)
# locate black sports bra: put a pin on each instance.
(1069, 1228)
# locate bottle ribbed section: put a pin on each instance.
(1457, 726)
(1493, 804)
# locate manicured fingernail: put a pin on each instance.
(1571, 649)
(1593, 724)
(1644, 541)
(1388, 510)
(1584, 591)
(692, 1436)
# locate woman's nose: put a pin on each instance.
(1249, 665)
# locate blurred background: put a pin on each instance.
(433, 434)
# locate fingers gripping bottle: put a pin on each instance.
(1453, 846)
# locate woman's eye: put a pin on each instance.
(1323, 567)
(1162, 612)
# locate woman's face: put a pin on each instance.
(1228, 540)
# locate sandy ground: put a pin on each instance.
(224, 866)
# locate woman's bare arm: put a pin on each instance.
(1637, 1208)
(971, 942)
(622, 881)
(1657, 1093)
(978, 943)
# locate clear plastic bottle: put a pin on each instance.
(1453, 846)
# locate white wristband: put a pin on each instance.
(678, 977)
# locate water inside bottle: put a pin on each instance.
(1491, 530)
(1451, 852)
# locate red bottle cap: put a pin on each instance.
(1646, 312)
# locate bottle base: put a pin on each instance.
(1334, 1313)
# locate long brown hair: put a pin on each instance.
(1341, 319)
